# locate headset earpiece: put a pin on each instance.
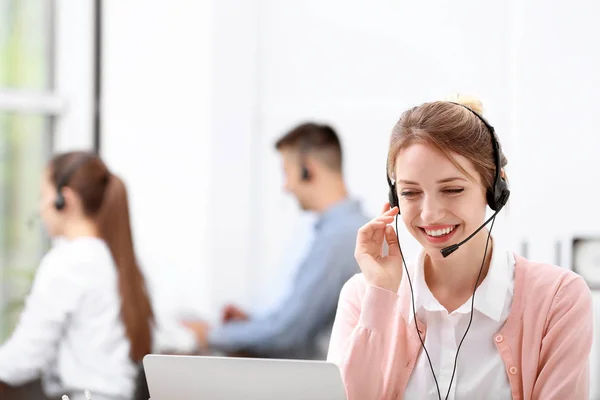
(498, 197)
(393, 197)
(303, 153)
(59, 202)
(305, 174)
(392, 194)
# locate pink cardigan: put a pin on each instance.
(545, 342)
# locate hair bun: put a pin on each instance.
(470, 101)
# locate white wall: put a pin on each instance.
(359, 69)
(74, 74)
(234, 152)
(558, 91)
(156, 133)
(556, 99)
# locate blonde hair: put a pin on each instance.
(466, 100)
(452, 129)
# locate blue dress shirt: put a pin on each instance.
(293, 328)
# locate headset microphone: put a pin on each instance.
(446, 251)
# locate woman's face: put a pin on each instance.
(439, 204)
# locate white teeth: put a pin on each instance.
(439, 232)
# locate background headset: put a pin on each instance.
(304, 172)
(327, 136)
(496, 196)
(60, 202)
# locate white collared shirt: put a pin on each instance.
(480, 372)
(70, 331)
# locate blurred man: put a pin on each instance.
(295, 328)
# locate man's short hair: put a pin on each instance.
(319, 140)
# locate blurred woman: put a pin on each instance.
(88, 319)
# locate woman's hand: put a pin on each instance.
(379, 270)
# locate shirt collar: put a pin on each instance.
(491, 294)
(423, 297)
(337, 211)
(489, 297)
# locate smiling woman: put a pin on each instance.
(531, 324)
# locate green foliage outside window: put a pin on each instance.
(25, 145)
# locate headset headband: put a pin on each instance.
(495, 144)
(497, 194)
(66, 177)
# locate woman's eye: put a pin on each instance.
(407, 193)
(454, 191)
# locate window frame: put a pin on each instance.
(69, 101)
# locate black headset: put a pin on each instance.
(497, 196)
(304, 172)
(60, 202)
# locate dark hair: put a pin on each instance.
(104, 199)
(320, 140)
(452, 129)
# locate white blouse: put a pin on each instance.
(70, 330)
(480, 372)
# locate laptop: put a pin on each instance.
(173, 377)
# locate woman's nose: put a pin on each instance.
(432, 210)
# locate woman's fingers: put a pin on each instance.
(386, 207)
(386, 210)
(367, 231)
(375, 229)
(392, 240)
(378, 223)
(372, 232)
(386, 218)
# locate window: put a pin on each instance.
(24, 147)
(39, 50)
